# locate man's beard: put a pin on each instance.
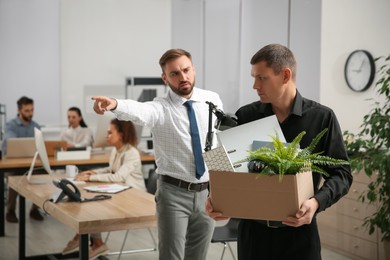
(183, 92)
(26, 118)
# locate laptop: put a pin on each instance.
(23, 147)
(41, 151)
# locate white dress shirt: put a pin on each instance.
(168, 119)
(79, 136)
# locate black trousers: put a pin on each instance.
(256, 241)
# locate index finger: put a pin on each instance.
(101, 98)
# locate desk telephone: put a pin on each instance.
(70, 190)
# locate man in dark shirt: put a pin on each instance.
(274, 72)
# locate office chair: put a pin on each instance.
(151, 186)
(226, 234)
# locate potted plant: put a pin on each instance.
(370, 151)
(290, 159)
(285, 183)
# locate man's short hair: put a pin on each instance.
(173, 54)
(276, 57)
(24, 101)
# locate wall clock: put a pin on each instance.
(359, 70)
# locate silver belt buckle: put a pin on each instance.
(270, 226)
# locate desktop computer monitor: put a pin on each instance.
(100, 138)
(41, 151)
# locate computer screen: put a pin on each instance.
(41, 151)
(100, 138)
(138, 131)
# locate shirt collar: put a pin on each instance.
(298, 104)
(296, 109)
(123, 148)
(181, 100)
(19, 122)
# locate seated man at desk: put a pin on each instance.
(20, 126)
(125, 166)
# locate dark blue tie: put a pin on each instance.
(196, 145)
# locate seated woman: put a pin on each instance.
(124, 166)
(77, 134)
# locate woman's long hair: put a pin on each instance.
(78, 111)
(127, 129)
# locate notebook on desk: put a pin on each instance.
(23, 147)
(107, 188)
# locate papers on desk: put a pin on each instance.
(107, 188)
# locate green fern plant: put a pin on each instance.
(370, 151)
(277, 158)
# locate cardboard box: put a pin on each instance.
(251, 196)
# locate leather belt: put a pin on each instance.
(271, 223)
(190, 186)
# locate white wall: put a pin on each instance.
(320, 33)
(229, 32)
(221, 57)
(60, 51)
(348, 25)
(305, 42)
(187, 25)
(210, 31)
(29, 57)
(263, 22)
(104, 42)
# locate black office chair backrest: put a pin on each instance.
(151, 185)
(227, 233)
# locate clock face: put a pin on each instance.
(359, 70)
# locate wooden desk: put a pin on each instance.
(95, 161)
(23, 164)
(131, 208)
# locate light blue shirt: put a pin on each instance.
(168, 119)
(15, 128)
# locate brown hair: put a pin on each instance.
(78, 111)
(24, 101)
(127, 129)
(173, 54)
(277, 57)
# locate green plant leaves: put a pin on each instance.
(370, 151)
(290, 159)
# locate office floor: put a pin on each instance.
(51, 236)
